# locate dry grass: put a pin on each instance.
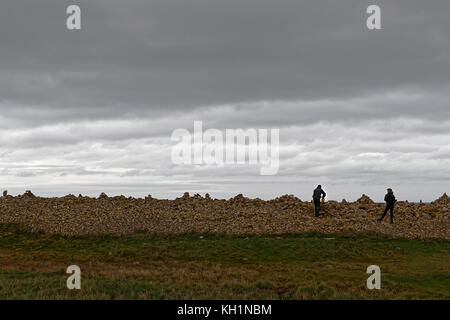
(143, 266)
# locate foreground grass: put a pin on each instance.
(144, 266)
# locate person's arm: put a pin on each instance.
(386, 197)
(324, 194)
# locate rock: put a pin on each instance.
(103, 196)
(365, 200)
(239, 215)
(28, 194)
(443, 200)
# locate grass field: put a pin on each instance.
(145, 266)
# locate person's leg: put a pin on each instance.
(317, 206)
(385, 211)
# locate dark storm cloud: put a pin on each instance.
(93, 110)
(137, 55)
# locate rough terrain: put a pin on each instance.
(72, 215)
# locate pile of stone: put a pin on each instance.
(72, 215)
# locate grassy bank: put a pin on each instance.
(144, 266)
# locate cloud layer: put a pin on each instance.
(93, 110)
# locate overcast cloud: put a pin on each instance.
(93, 110)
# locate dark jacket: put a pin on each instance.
(318, 192)
(390, 199)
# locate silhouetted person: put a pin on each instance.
(390, 201)
(318, 192)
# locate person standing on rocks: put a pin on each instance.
(318, 192)
(390, 200)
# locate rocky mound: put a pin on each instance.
(71, 215)
(365, 200)
(444, 200)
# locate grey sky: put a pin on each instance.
(358, 110)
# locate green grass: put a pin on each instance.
(290, 266)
